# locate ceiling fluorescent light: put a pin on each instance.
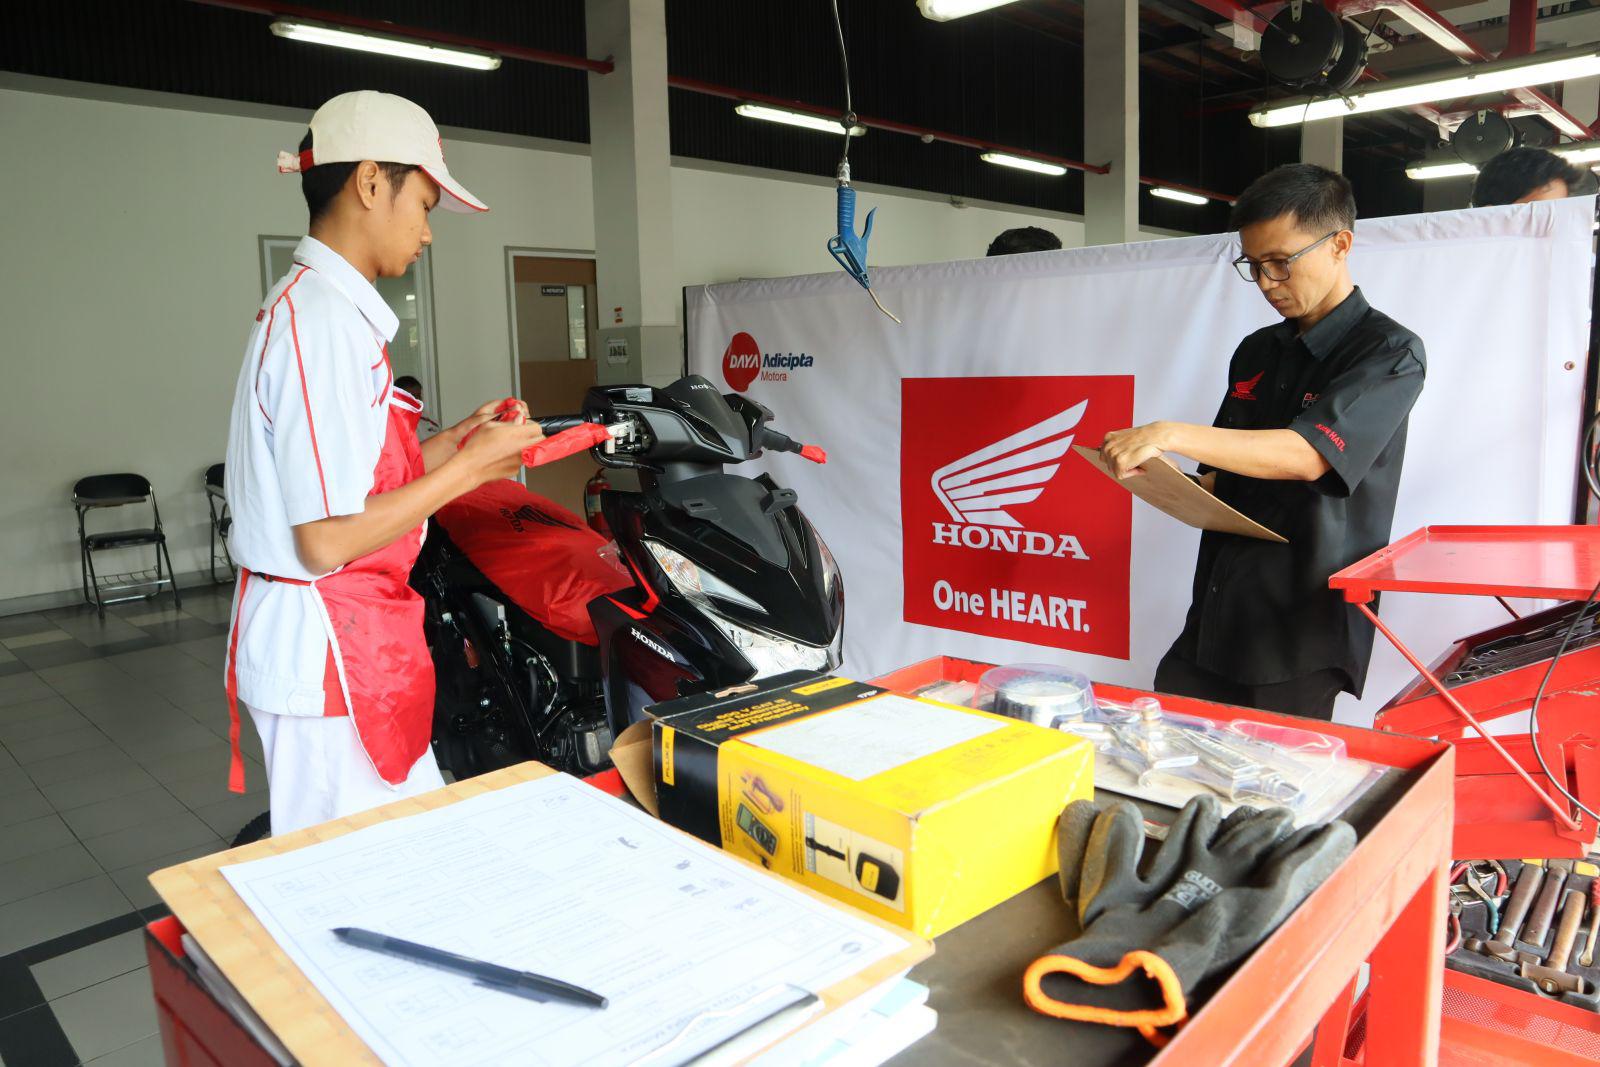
(383, 44)
(1478, 79)
(1023, 163)
(1179, 195)
(796, 118)
(945, 10)
(1583, 152)
(1424, 171)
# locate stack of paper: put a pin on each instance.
(896, 1022)
(692, 947)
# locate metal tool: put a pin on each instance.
(1504, 946)
(1587, 959)
(1552, 976)
(1544, 909)
(1497, 874)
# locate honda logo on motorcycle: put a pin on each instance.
(1007, 532)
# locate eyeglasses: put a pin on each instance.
(1277, 270)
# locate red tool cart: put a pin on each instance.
(1384, 904)
(1505, 805)
(1505, 802)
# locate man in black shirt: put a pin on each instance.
(1308, 442)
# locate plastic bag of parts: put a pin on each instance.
(1144, 750)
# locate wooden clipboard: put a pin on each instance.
(301, 1017)
(1166, 487)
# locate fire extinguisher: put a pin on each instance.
(591, 503)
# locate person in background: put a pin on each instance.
(329, 487)
(1308, 442)
(1023, 239)
(1523, 175)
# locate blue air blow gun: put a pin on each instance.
(848, 248)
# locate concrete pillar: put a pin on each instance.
(1111, 120)
(630, 159)
(1322, 143)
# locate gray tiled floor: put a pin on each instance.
(90, 966)
(110, 767)
(108, 1016)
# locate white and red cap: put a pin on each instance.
(385, 129)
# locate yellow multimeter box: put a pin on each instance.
(921, 813)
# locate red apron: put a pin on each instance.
(382, 674)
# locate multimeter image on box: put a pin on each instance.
(756, 830)
(877, 876)
(853, 860)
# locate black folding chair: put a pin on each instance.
(221, 523)
(113, 491)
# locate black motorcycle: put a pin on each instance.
(731, 583)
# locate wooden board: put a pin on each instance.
(203, 901)
(1166, 487)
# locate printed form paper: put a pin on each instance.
(554, 877)
(874, 736)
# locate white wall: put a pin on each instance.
(129, 276)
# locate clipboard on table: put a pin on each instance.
(1167, 488)
(298, 1014)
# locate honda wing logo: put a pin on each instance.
(977, 488)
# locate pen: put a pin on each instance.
(492, 975)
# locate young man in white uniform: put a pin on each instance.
(329, 495)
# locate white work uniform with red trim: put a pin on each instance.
(333, 668)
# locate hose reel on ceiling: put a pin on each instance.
(1308, 47)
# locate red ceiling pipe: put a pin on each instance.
(726, 92)
(352, 22)
(694, 85)
(1520, 32)
(1465, 49)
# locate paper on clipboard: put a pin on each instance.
(529, 851)
(1166, 487)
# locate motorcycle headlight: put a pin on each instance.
(769, 655)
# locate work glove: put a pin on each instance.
(1214, 890)
(1099, 846)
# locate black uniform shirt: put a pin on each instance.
(1263, 612)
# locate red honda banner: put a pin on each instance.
(1008, 533)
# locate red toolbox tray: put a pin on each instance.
(1505, 805)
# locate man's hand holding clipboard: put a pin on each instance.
(1156, 480)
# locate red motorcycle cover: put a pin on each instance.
(542, 556)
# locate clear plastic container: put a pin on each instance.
(1047, 696)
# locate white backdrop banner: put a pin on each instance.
(1004, 363)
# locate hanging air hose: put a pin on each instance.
(849, 249)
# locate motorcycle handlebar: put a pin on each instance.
(554, 424)
(771, 438)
